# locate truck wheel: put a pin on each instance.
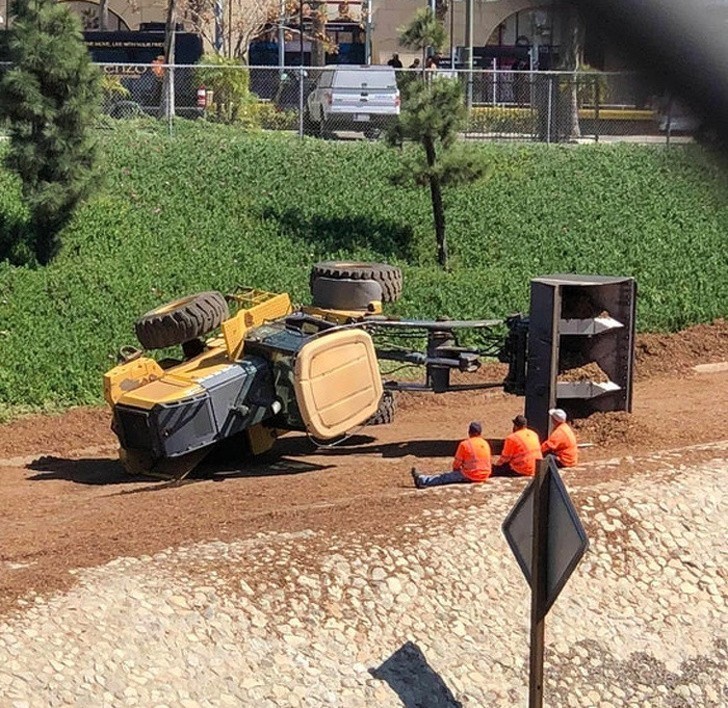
(388, 277)
(385, 412)
(181, 320)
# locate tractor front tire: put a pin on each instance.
(181, 320)
(388, 277)
(386, 411)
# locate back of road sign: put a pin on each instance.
(566, 539)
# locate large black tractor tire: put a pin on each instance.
(386, 411)
(388, 277)
(181, 320)
(338, 294)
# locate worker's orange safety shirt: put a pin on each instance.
(472, 458)
(562, 443)
(521, 450)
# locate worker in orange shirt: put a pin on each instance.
(561, 444)
(471, 463)
(521, 449)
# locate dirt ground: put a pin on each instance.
(66, 503)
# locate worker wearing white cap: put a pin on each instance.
(562, 441)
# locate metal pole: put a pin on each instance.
(548, 107)
(452, 34)
(368, 34)
(300, 32)
(281, 34)
(300, 101)
(170, 106)
(494, 67)
(538, 583)
(596, 109)
(469, 45)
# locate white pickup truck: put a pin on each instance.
(359, 98)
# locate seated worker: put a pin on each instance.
(521, 449)
(471, 463)
(562, 441)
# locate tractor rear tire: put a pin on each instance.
(181, 320)
(385, 412)
(388, 277)
(339, 294)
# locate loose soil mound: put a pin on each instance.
(611, 429)
(661, 354)
(589, 372)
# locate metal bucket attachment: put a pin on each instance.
(580, 346)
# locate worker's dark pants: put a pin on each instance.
(504, 470)
(436, 480)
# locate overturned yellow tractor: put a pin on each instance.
(263, 370)
(269, 367)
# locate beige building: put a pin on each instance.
(494, 22)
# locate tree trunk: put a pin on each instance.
(573, 59)
(318, 31)
(438, 209)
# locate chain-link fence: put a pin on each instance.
(549, 107)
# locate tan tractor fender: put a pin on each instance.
(337, 382)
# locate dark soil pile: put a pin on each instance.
(590, 372)
(610, 429)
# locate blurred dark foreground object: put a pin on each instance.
(681, 45)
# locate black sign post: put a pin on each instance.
(548, 540)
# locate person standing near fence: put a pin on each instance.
(395, 62)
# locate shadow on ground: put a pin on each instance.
(416, 683)
(218, 467)
(97, 470)
(367, 445)
(333, 234)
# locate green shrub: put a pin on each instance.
(500, 119)
(215, 207)
(229, 83)
(269, 117)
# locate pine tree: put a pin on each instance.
(433, 113)
(423, 33)
(50, 98)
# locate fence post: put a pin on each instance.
(549, 104)
(301, 75)
(668, 127)
(172, 107)
(494, 68)
(596, 108)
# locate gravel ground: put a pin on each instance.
(435, 614)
